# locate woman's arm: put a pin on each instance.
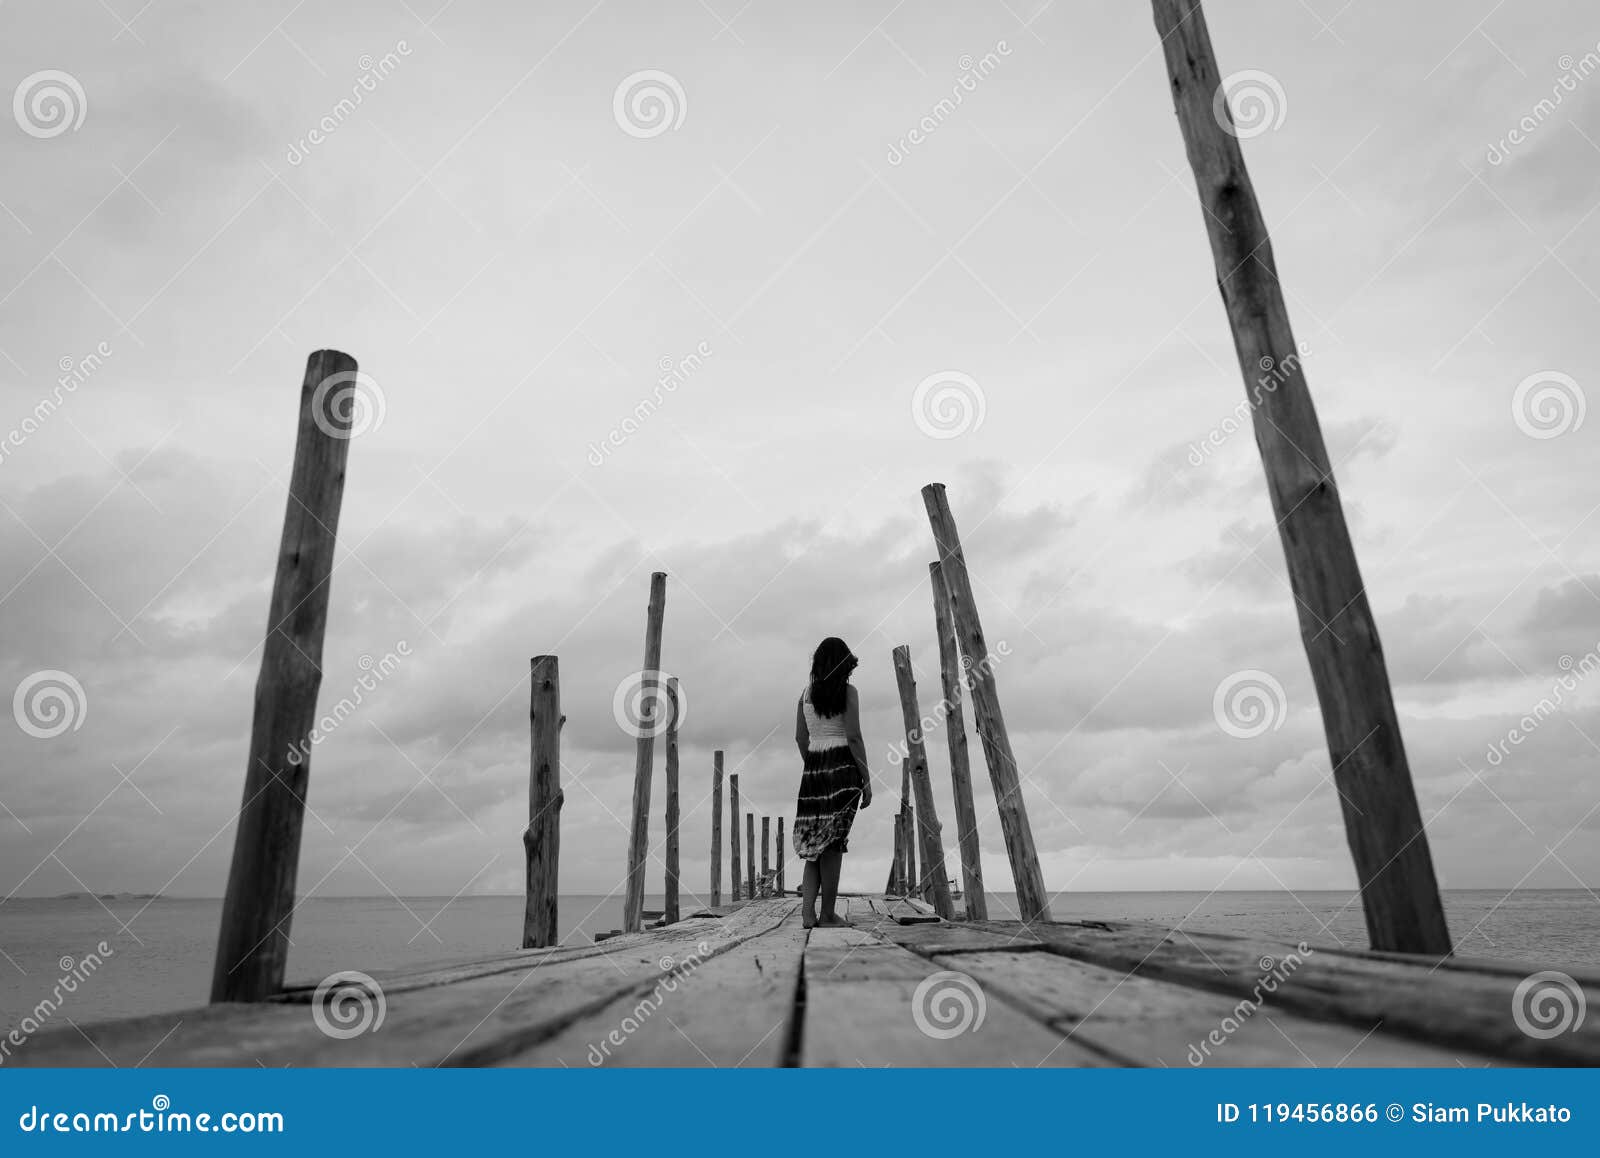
(858, 746)
(802, 734)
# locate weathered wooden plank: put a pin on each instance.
(542, 838)
(733, 838)
(253, 941)
(1032, 898)
(644, 757)
(955, 737)
(1337, 628)
(470, 1022)
(936, 877)
(1466, 1010)
(1136, 1021)
(878, 1004)
(734, 1010)
(928, 936)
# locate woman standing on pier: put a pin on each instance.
(835, 781)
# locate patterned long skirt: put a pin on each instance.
(830, 793)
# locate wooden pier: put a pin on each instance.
(915, 979)
(746, 985)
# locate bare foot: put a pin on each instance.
(834, 921)
(808, 920)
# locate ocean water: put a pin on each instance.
(162, 959)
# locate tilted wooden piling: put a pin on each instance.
(938, 886)
(766, 840)
(782, 855)
(1032, 899)
(643, 770)
(542, 838)
(253, 941)
(1382, 820)
(976, 907)
(733, 838)
(670, 915)
(908, 820)
(750, 854)
(716, 828)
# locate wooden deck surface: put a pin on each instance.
(747, 986)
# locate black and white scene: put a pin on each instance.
(597, 533)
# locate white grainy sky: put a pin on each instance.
(511, 268)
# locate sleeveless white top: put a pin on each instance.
(823, 732)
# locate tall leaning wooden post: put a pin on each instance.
(670, 916)
(542, 838)
(253, 942)
(733, 838)
(1032, 899)
(780, 855)
(750, 854)
(955, 737)
(1383, 823)
(649, 692)
(922, 785)
(716, 828)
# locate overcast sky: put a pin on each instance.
(513, 249)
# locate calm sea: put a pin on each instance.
(162, 961)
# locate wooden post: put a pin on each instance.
(649, 713)
(750, 851)
(894, 886)
(670, 916)
(912, 885)
(766, 840)
(253, 941)
(542, 838)
(976, 906)
(781, 854)
(1382, 820)
(733, 837)
(938, 886)
(716, 828)
(1032, 899)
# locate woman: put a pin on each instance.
(835, 781)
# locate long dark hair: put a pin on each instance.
(831, 666)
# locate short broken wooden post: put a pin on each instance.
(650, 713)
(975, 906)
(750, 854)
(897, 865)
(911, 886)
(922, 785)
(733, 838)
(1032, 899)
(1383, 822)
(542, 838)
(670, 915)
(253, 940)
(781, 854)
(716, 828)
